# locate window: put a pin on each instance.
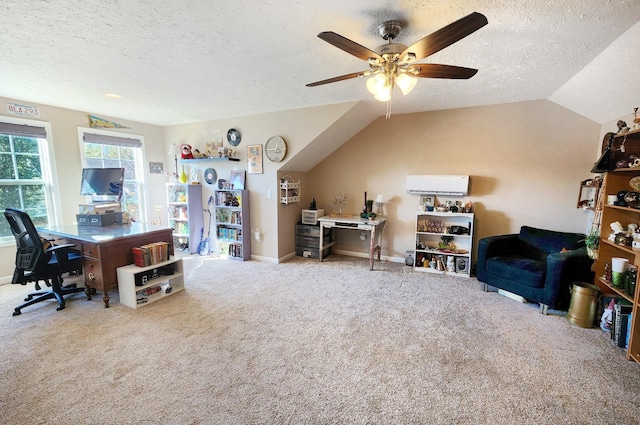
(25, 176)
(103, 149)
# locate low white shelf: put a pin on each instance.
(169, 283)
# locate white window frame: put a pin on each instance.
(49, 174)
(140, 161)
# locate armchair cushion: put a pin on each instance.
(527, 271)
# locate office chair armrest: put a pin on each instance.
(62, 252)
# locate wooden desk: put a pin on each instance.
(375, 227)
(106, 248)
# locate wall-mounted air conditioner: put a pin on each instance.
(438, 185)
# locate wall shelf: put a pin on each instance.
(210, 160)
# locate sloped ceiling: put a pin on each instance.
(178, 62)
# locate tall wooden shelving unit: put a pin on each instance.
(615, 181)
(233, 232)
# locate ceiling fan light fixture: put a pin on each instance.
(383, 94)
(376, 83)
(406, 83)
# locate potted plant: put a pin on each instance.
(592, 242)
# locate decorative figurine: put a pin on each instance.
(185, 150)
(312, 205)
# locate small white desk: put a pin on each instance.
(375, 227)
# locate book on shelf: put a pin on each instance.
(619, 326)
(150, 254)
(626, 341)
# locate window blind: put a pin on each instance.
(23, 130)
(111, 140)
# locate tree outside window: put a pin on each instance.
(22, 182)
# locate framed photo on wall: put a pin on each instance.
(427, 200)
(237, 179)
(156, 168)
(254, 159)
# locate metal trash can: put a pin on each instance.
(583, 305)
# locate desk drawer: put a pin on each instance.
(305, 241)
(311, 252)
(93, 273)
(90, 250)
(311, 231)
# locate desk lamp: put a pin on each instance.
(173, 150)
(379, 203)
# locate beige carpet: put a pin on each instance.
(313, 343)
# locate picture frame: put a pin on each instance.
(427, 200)
(254, 159)
(237, 179)
(462, 265)
(156, 168)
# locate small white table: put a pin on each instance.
(375, 227)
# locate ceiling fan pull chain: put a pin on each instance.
(388, 109)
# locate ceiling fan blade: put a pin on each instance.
(446, 36)
(432, 70)
(349, 46)
(340, 78)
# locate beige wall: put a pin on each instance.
(299, 128)
(525, 160)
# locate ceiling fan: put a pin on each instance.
(394, 63)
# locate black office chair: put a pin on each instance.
(36, 262)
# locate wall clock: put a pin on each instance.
(276, 149)
(233, 137)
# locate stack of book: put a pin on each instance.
(150, 254)
(620, 324)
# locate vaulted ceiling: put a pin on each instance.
(184, 61)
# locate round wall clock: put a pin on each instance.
(210, 175)
(233, 137)
(276, 149)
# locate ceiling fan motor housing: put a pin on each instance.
(390, 29)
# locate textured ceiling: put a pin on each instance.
(184, 61)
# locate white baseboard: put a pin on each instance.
(265, 259)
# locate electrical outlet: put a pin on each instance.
(268, 194)
(363, 236)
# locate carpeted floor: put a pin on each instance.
(313, 343)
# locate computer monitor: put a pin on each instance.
(102, 184)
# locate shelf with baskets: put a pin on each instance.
(443, 243)
(232, 229)
(289, 190)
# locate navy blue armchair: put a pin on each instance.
(536, 264)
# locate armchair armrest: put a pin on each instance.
(563, 269)
(494, 246)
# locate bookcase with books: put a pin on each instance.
(625, 210)
(140, 286)
(232, 228)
